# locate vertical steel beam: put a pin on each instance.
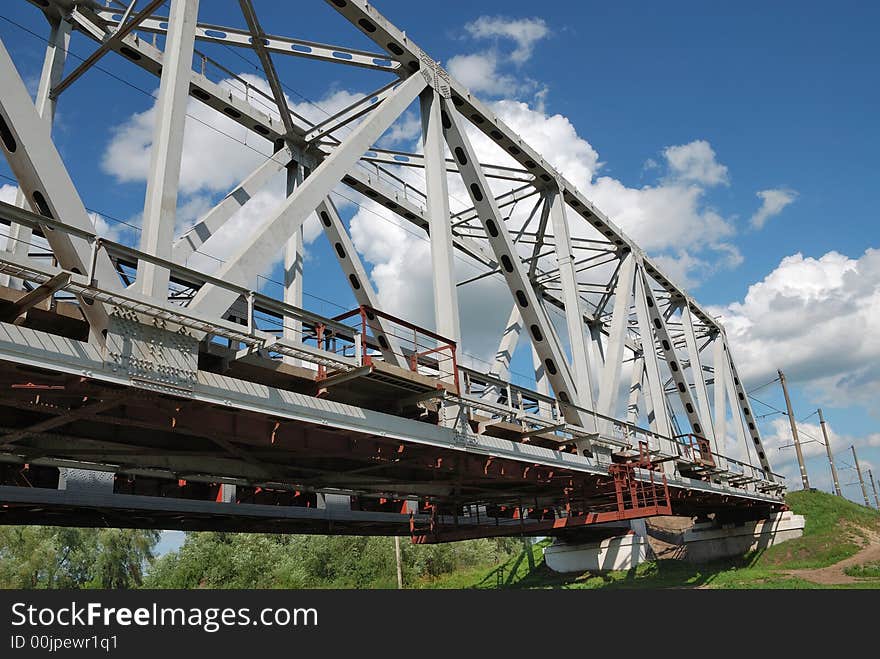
(439, 225)
(358, 280)
(542, 333)
(719, 365)
(574, 315)
(261, 247)
(661, 423)
(637, 385)
(700, 392)
(53, 68)
(160, 205)
(293, 265)
(617, 334)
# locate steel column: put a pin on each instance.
(701, 393)
(439, 225)
(160, 205)
(574, 315)
(293, 265)
(719, 365)
(617, 335)
(661, 423)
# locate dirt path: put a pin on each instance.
(833, 574)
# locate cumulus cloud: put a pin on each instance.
(217, 155)
(773, 202)
(525, 32)
(695, 162)
(815, 318)
(671, 219)
(482, 71)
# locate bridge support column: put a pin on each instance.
(707, 541)
(620, 552)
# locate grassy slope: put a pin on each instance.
(835, 530)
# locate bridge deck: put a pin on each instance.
(259, 424)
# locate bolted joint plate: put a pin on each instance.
(435, 75)
(156, 354)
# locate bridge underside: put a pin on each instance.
(242, 455)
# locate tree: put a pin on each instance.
(240, 560)
(60, 557)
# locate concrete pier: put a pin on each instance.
(706, 542)
(622, 552)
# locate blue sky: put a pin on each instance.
(757, 97)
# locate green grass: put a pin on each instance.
(835, 530)
(864, 571)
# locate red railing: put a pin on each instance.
(697, 449)
(421, 350)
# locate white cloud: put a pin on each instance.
(671, 219)
(695, 162)
(815, 318)
(479, 73)
(217, 155)
(405, 130)
(525, 32)
(773, 202)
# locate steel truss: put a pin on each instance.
(626, 327)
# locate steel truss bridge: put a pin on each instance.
(137, 390)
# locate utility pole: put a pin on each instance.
(861, 480)
(397, 558)
(794, 433)
(874, 487)
(830, 455)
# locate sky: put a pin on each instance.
(736, 144)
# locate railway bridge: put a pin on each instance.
(143, 386)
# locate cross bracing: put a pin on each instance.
(621, 354)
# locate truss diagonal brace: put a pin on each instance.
(357, 278)
(658, 321)
(262, 246)
(700, 391)
(746, 407)
(215, 218)
(34, 297)
(109, 44)
(541, 331)
(257, 40)
(42, 176)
